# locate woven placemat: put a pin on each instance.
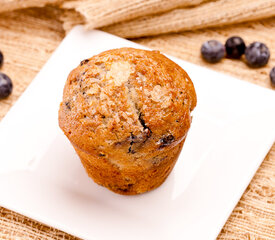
(9, 5)
(213, 13)
(96, 14)
(38, 32)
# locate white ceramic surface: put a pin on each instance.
(41, 176)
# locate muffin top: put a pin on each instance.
(127, 103)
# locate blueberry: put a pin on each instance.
(272, 76)
(84, 62)
(5, 86)
(166, 141)
(212, 51)
(1, 59)
(257, 54)
(234, 47)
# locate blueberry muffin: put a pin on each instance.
(127, 113)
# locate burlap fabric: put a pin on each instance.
(28, 37)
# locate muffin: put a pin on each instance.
(127, 113)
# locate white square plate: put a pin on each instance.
(41, 176)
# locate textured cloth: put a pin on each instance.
(211, 14)
(98, 15)
(9, 5)
(28, 38)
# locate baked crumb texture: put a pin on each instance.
(127, 112)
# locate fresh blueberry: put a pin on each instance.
(1, 59)
(272, 76)
(234, 47)
(5, 86)
(212, 51)
(257, 54)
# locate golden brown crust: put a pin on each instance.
(130, 181)
(126, 106)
